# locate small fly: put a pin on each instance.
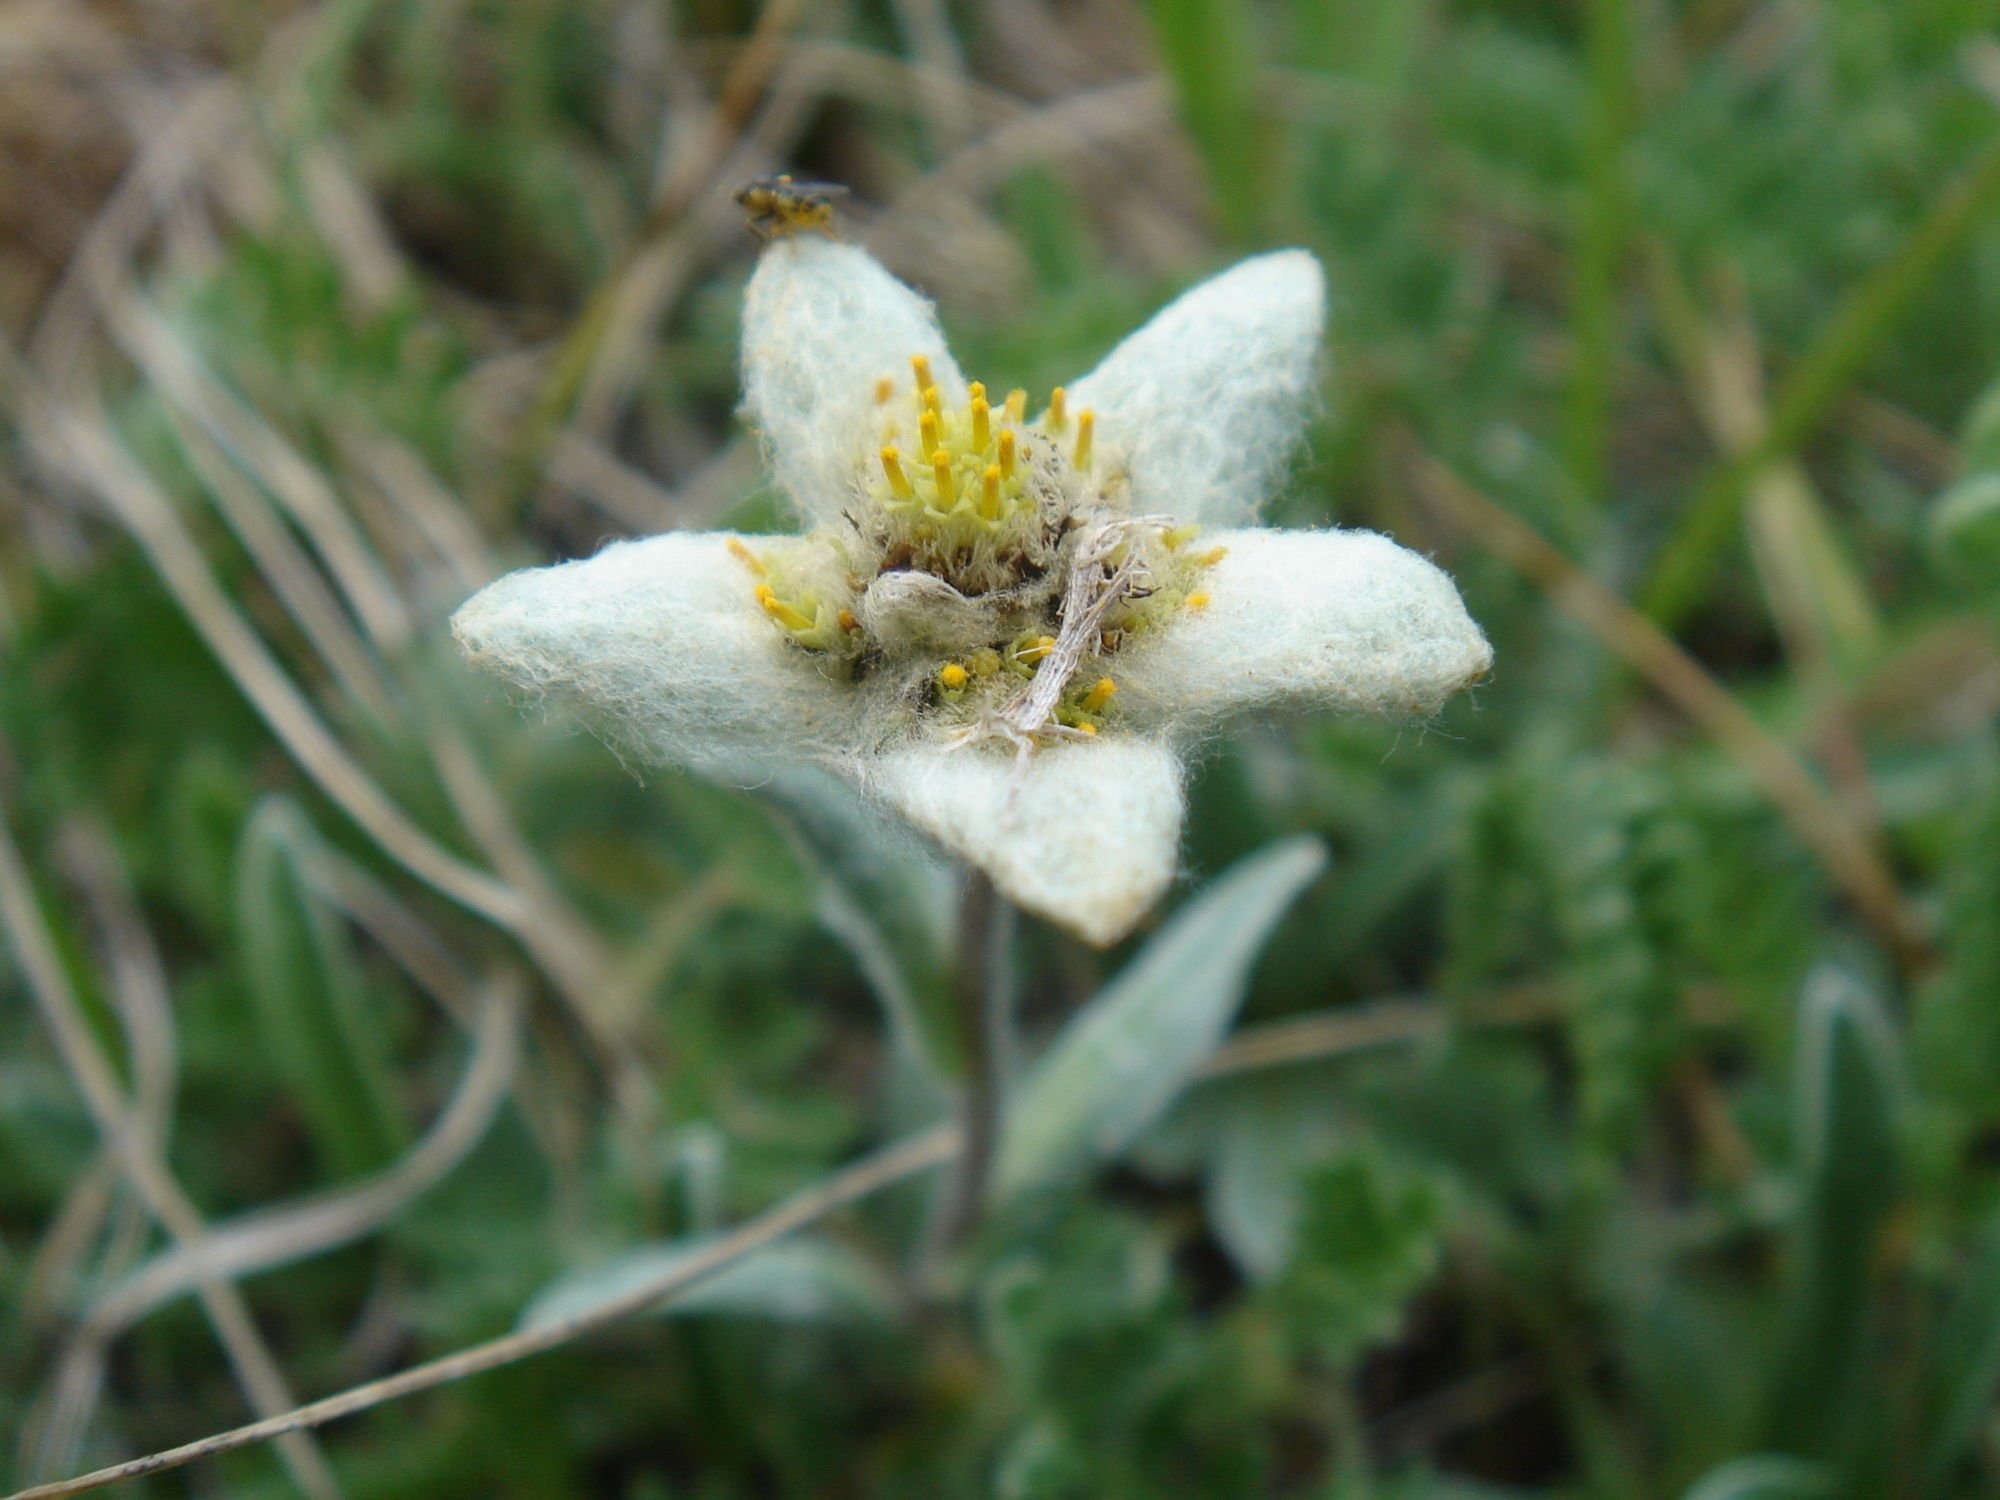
(777, 206)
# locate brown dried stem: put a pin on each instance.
(1303, 1039)
(1819, 822)
(904, 1159)
(256, 1368)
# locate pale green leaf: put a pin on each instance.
(316, 1014)
(1763, 1476)
(1128, 1054)
(800, 1280)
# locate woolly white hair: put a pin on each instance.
(660, 642)
(1209, 398)
(822, 323)
(1084, 835)
(1299, 621)
(664, 645)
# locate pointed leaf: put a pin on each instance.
(1965, 528)
(310, 998)
(1763, 1476)
(1849, 1084)
(1128, 1054)
(1263, 1143)
(800, 1280)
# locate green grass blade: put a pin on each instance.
(310, 999)
(1848, 1081)
(1828, 367)
(1600, 245)
(1210, 51)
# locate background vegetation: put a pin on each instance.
(1615, 1117)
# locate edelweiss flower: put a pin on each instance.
(1010, 631)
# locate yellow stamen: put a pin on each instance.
(847, 620)
(1007, 453)
(941, 472)
(899, 482)
(921, 366)
(1099, 695)
(1197, 600)
(952, 677)
(1086, 728)
(989, 493)
(982, 429)
(1017, 406)
(885, 387)
(931, 399)
(783, 613)
(1036, 649)
(1058, 409)
(1086, 429)
(1212, 556)
(745, 556)
(927, 433)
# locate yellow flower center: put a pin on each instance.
(970, 493)
(960, 559)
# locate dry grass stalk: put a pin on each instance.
(918, 1153)
(1820, 823)
(256, 1369)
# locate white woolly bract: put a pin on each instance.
(822, 324)
(1209, 398)
(1300, 621)
(1086, 835)
(663, 646)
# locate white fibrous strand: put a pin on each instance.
(1099, 578)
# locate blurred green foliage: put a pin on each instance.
(1683, 1182)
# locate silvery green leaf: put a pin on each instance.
(1251, 1189)
(1979, 433)
(1965, 528)
(1128, 1054)
(1763, 1476)
(320, 1019)
(800, 1280)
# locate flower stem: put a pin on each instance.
(982, 1003)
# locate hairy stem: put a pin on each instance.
(982, 1006)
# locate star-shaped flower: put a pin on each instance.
(1011, 632)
